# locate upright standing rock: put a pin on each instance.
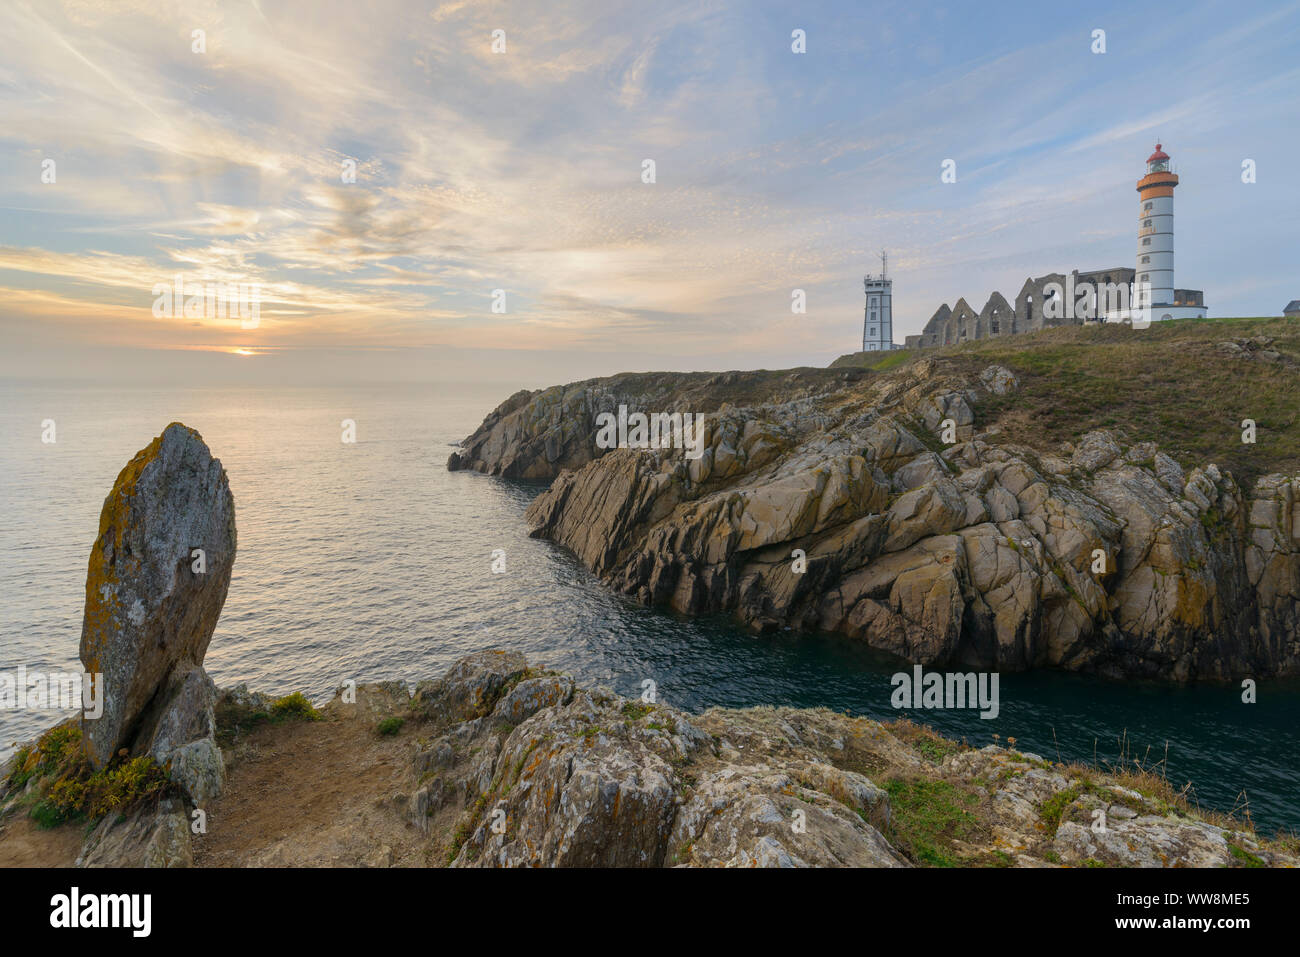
(152, 603)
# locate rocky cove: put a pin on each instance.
(504, 762)
(826, 500)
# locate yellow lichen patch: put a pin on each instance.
(124, 487)
(102, 576)
(532, 766)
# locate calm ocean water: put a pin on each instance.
(372, 561)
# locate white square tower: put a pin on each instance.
(878, 315)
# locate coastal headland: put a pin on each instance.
(927, 505)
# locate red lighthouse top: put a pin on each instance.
(1158, 181)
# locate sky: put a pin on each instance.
(523, 171)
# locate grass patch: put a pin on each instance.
(922, 738)
(47, 815)
(1244, 856)
(1169, 384)
(465, 829)
(389, 726)
(926, 817)
(234, 720)
(875, 361)
(1053, 809)
(636, 710)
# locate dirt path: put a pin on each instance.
(299, 793)
(316, 793)
(23, 844)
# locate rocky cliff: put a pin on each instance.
(502, 764)
(877, 505)
(519, 768)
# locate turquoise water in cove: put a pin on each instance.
(372, 561)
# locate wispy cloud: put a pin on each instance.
(521, 170)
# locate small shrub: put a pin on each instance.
(56, 750)
(1053, 808)
(117, 787)
(235, 720)
(294, 706)
(24, 768)
(389, 726)
(47, 814)
(70, 788)
(636, 710)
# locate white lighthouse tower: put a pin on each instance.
(1153, 282)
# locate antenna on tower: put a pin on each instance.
(884, 264)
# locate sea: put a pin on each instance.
(369, 561)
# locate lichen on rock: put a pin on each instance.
(157, 578)
(923, 536)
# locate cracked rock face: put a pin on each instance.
(979, 553)
(151, 610)
(584, 778)
(537, 435)
(587, 779)
(536, 772)
(153, 837)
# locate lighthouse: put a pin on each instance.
(1154, 277)
(1155, 259)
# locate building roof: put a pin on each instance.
(963, 310)
(1159, 154)
(1114, 270)
(997, 303)
(1292, 306)
(937, 320)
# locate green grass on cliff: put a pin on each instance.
(67, 788)
(928, 816)
(709, 391)
(1169, 384)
